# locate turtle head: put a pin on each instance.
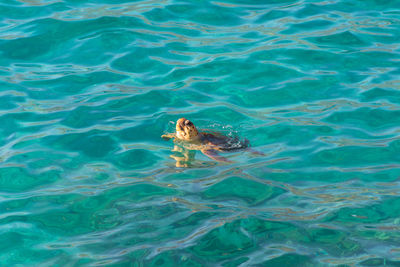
(185, 130)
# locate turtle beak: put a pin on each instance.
(180, 123)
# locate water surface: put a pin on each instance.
(88, 88)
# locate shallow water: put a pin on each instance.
(88, 88)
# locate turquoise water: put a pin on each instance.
(88, 88)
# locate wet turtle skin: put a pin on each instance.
(189, 138)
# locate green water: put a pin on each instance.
(88, 88)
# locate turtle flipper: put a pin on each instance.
(213, 154)
(255, 152)
(166, 137)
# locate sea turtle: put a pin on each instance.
(187, 139)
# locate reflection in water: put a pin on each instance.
(185, 157)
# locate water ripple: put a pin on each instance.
(89, 87)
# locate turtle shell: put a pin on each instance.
(217, 142)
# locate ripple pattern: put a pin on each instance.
(88, 88)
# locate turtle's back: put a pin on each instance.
(224, 143)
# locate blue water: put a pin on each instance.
(88, 88)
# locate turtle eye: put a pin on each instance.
(188, 123)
